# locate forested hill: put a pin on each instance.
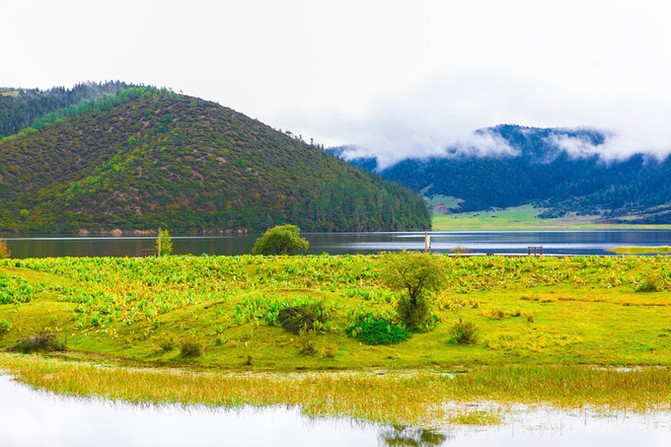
(145, 158)
(20, 108)
(543, 174)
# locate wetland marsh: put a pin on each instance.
(571, 333)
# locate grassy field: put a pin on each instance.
(549, 331)
(523, 218)
(641, 250)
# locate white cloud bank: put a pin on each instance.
(396, 77)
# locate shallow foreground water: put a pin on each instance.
(30, 418)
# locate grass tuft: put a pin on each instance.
(191, 347)
(463, 333)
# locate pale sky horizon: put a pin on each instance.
(398, 78)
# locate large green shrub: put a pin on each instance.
(377, 332)
(281, 240)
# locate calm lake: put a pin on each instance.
(30, 418)
(500, 242)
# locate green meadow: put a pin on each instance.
(634, 250)
(522, 218)
(571, 331)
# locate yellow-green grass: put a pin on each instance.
(582, 310)
(524, 217)
(640, 250)
(422, 398)
(550, 331)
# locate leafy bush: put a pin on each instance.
(377, 332)
(417, 275)
(463, 333)
(191, 347)
(281, 240)
(306, 317)
(45, 341)
(5, 327)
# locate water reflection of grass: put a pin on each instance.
(415, 397)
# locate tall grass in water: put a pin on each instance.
(405, 398)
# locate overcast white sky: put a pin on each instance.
(397, 77)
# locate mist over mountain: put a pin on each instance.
(141, 158)
(563, 170)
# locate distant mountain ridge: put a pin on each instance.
(141, 158)
(636, 189)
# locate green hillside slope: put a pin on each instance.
(20, 107)
(146, 158)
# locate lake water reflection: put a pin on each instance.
(30, 418)
(501, 242)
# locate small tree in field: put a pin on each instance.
(163, 244)
(281, 240)
(4, 250)
(417, 275)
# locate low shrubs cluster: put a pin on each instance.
(376, 331)
(306, 317)
(14, 290)
(45, 341)
(5, 326)
(650, 283)
(463, 333)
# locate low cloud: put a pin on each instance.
(567, 66)
(442, 117)
(575, 146)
